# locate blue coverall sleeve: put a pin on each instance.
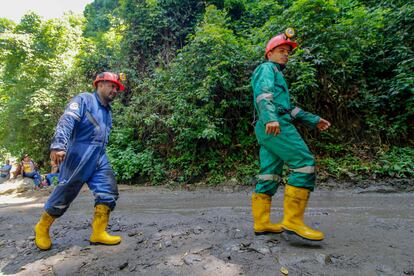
(264, 89)
(74, 112)
(306, 118)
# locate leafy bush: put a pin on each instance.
(186, 114)
(395, 162)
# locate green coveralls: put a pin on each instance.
(272, 103)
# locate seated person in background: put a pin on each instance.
(29, 169)
(52, 177)
(5, 171)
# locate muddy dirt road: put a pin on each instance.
(209, 232)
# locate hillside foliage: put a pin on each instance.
(187, 112)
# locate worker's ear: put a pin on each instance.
(269, 53)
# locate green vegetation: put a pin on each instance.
(186, 114)
(39, 75)
(396, 162)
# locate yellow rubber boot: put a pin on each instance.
(294, 206)
(42, 238)
(261, 215)
(99, 224)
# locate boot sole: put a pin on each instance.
(100, 243)
(41, 249)
(266, 233)
(290, 232)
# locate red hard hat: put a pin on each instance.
(280, 39)
(108, 76)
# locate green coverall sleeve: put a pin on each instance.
(306, 118)
(263, 89)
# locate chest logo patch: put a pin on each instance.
(74, 106)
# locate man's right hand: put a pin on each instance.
(273, 128)
(57, 156)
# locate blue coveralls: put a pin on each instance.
(83, 132)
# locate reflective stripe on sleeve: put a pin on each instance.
(295, 112)
(270, 177)
(70, 113)
(307, 169)
(267, 96)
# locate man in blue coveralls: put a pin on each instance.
(79, 147)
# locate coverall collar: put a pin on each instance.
(281, 67)
(99, 101)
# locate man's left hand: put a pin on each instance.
(57, 156)
(323, 124)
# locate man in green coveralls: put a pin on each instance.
(281, 143)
